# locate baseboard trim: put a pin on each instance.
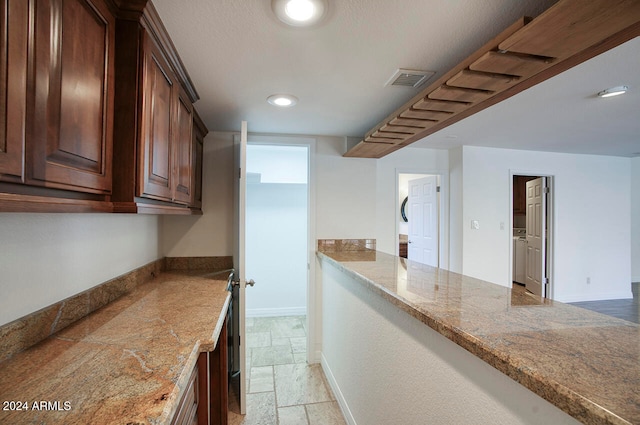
(344, 407)
(275, 312)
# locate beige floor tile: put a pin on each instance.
(287, 328)
(302, 395)
(261, 379)
(249, 321)
(281, 342)
(298, 345)
(325, 414)
(300, 384)
(258, 339)
(293, 415)
(299, 357)
(269, 356)
(263, 324)
(261, 410)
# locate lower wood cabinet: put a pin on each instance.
(205, 399)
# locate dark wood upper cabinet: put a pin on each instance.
(199, 133)
(97, 110)
(154, 123)
(158, 100)
(183, 146)
(70, 142)
(14, 20)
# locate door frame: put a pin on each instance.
(313, 306)
(443, 212)
(550, 218)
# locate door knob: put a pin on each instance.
(251, 282)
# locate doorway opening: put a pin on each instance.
(277, 229)
(420, 218)
(531, 224)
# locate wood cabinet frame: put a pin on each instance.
(79, 113)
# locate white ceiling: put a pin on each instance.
(238, 53)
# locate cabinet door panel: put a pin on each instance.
(71, 144)
(199, 132)
(13, 83)
(183, 153)
(155, 161)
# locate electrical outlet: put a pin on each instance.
(588, 281)
(502, 225)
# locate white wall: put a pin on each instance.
(456, 190)
(635, 219)
(45, 258)
(345, 193)
(276, 249)
(381, 375)
(406, 160)
(591, 196)
(212, 233)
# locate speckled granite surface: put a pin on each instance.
(127, 363)
(585, 363)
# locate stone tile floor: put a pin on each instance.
(282, 388)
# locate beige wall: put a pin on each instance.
(45, 258)
(210, 234)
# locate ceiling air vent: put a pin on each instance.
(409, 78)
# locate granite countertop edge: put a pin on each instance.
(146, 358)
(554, 392)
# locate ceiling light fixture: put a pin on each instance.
(282, 100)
(299, 13)
(614, 91)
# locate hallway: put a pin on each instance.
(282, 388)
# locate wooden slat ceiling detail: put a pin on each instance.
(523, 55)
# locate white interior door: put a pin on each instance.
(240, 193)
(423, 220)
(536, 236)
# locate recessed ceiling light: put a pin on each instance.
(299, 13)
(282, 100)
(614, 91)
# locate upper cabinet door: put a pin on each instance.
(183, 192)
(13, 85)
(155, 162)
(72, 106)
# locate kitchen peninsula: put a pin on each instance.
(153, 356)
(386, 366)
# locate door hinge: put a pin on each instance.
(437, 189)
(546, 190)
(239, 173)
(546, 280)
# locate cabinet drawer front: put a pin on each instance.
(71, 143)
(188, 406)
(13, 86)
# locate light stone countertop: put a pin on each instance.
(585, 363)
(127, 363)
